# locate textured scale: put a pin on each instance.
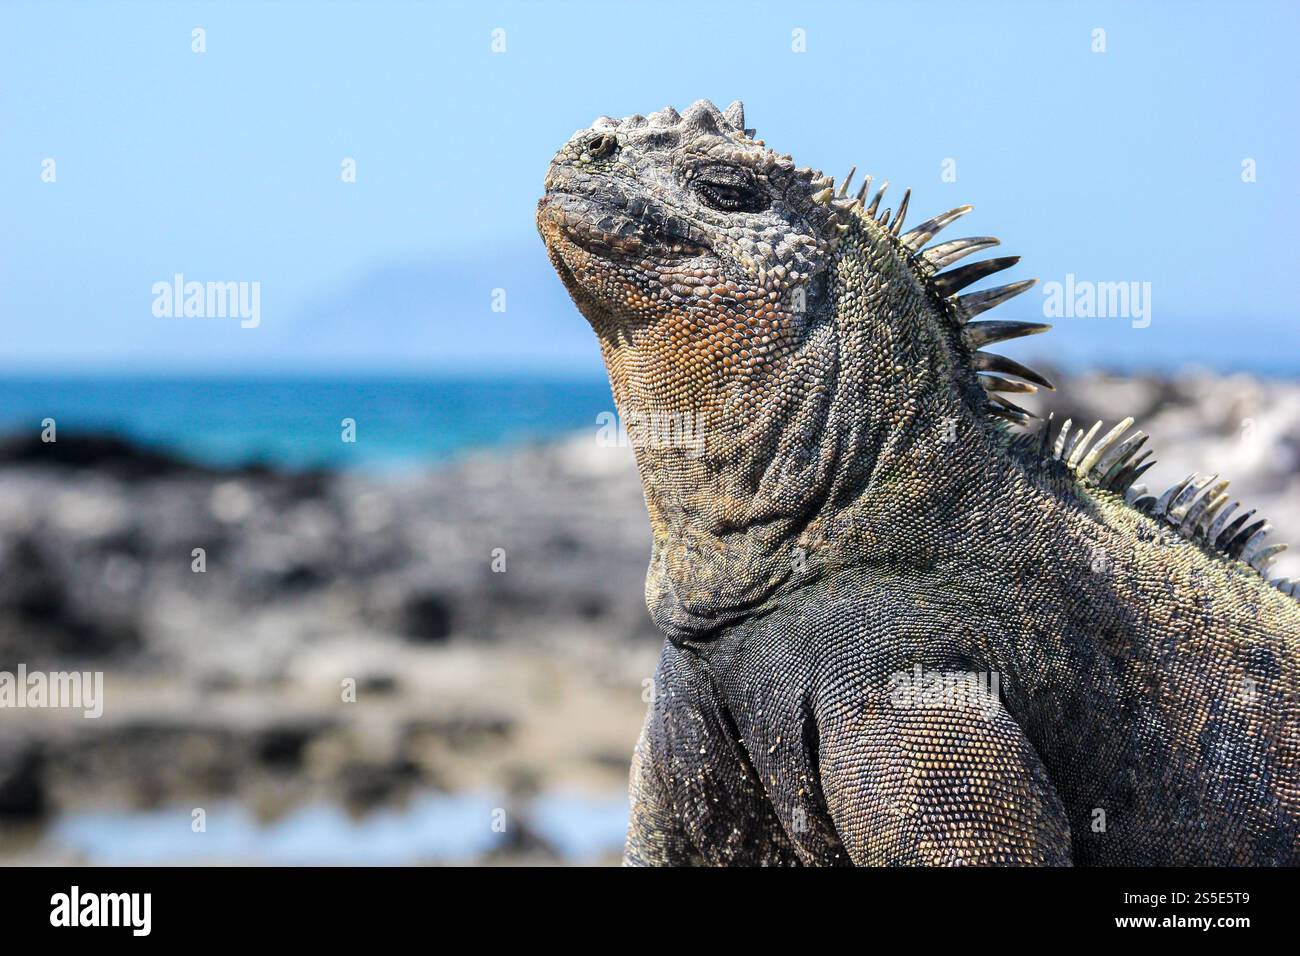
(898, 631)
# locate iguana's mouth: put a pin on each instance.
(608, 229)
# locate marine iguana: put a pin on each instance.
(900, 630)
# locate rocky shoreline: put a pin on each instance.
(349, 638)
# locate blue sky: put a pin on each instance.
(1117, 166)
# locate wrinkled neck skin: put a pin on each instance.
(754, 487)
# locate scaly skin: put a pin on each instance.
(843, 502)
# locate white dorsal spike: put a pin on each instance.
(864, 189)
(1220, 522)
(1211, 513)
(946, 253)
(1184, 500)
(1134, 472)
(1230, 534)
(979, 334)
(916, 238)
(897, 224)
(1081, 447)
(1121, 456)
(1061, 438)
(1162, 503)
(1009, 410)
(848, 178)
(992, 362)
(1254, 543)
(1099, 449)
(996, 383)
(1265, 556)
(976, 303)
(1071, 442)
(1045, 436)
(1134, 492)
(1203, 507)
(875, 201)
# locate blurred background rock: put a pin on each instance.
(348, 643)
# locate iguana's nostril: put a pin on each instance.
(602, 145)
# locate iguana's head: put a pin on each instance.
(683, 236)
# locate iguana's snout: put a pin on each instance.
(613, 202)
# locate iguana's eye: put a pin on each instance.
(730, 190)
(606, 144)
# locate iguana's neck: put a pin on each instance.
(770, 476)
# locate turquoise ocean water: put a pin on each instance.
(297, 422)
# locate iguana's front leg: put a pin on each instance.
(951, 785)
(656, 835)
(696, 798)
